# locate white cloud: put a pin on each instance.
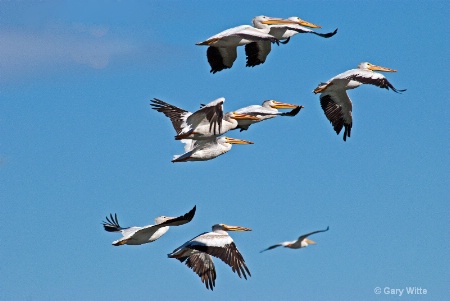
(58, 47)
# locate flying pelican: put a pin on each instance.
(198, 251)
(301, 242)
(222, 50)
(206, 123)
(203, 150)
(150, 233)
(267, 110)
(257, 51)
(334, 99)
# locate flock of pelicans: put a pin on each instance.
(197, 252)
(202, 130)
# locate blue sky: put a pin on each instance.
(78, 140)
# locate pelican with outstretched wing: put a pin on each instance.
(222, 47)
(197, 253)
(150, 233)
(203, 150)
(258, 51)
(301, 242)
(268, 110)
(335, 101)
(206, 123)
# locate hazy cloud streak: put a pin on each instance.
(58, 47)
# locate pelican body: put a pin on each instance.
(147, 234)
(206, 123)
(222, 47)
(301, 242)
(258, 51)
(203, 150)
(268, 110)
(197, 253)
(335, 101)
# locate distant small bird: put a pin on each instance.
(258, 51)
(203, 150)
(198, 251)
(222, 51)
(301, 242)
(150, 233)
(268, 110)
(206, 123)
(334, 99)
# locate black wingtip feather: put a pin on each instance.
(112, 223)
(286, 41)
(326, 35)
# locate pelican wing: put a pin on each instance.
(112, 224)
(293, 112)
(314, 232)
(337, 107)
(189, 144)
(142, 235)
(181, 220)
(373, 78)
(225, 37)
(147, 232)
(220, 58)
(228, 253)
(177, 115)
(325, 35)
(301, 29)
(233, 36)
(212, 112)
(254, 34)
(257, 52)
(257, 110)
(193, 147)
(272, 247)
(203, 265)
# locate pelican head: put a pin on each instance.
(234, 140)
(369, 66)
(224, 227)
(264, 20)
(162, 219)
(240, 116)
(303, 22)
(278, 105)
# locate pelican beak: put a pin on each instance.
(379, 68)
(310, 242)
(239, 116)
(283, 105)
(235, 228)
(307, 24)
(237, 141)
(278, 21)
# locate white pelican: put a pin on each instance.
(198, 251)
(206, 149)
(257, 51)
(301, 242)
(222, 50)
(150, 233)
(206, 123)
(267, 110)
(334, 99)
